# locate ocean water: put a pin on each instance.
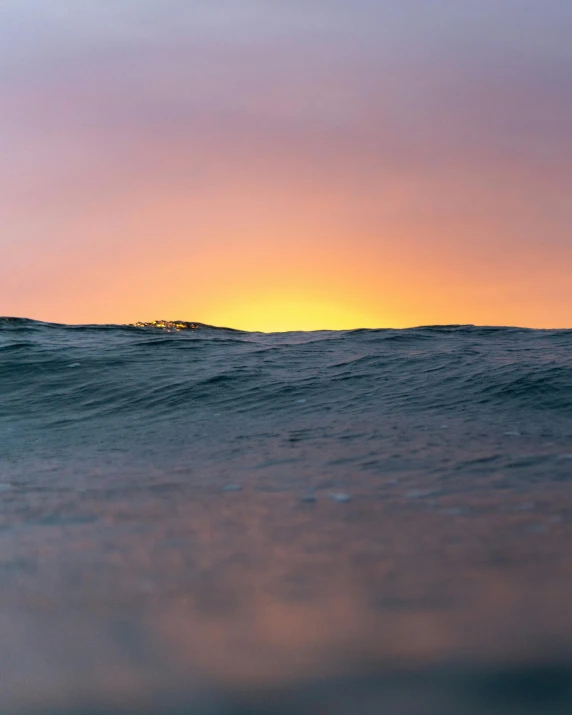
(203, 520)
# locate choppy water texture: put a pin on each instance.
(202, 520)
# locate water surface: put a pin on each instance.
(195, 519)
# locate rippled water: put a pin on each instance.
(334, 520)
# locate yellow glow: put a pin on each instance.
(280, 313)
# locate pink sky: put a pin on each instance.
(287, 165)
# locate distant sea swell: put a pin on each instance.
(92, 371)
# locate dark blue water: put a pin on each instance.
(57, 373)
(247, 519)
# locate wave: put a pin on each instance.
(173, 368)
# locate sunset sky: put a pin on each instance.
(287, 164)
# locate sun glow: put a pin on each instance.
(281, 313)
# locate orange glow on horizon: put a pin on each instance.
(282, 313)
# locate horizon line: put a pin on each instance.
(180, 325)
